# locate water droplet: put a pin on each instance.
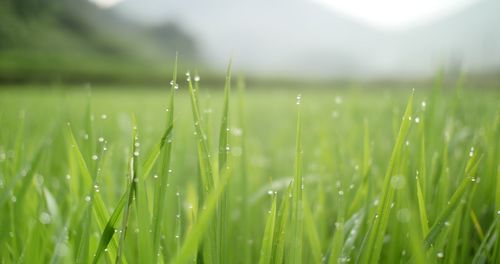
(270, 192)
(68, 176)
(196, 78)
(341, 193)
(299, 98)
(86, 136)
(45, 218)
(176, 86)
(338, 99)
(100, 139)
(137, 144)
(177, 236)
(440, 254)
(177, 194)
(471, 152)
(417, 119)
(335, 114)
(424, 104)
(188, 73)
(94, 157)
(13, 199)
(104, 116)
(398, 182)
(228, 148)
(87, 198)
(136, 153)
(155, 176)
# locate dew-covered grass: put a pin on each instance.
(234, 174)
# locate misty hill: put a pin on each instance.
(73, 40)
(301, 37)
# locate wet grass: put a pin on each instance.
(246, 176)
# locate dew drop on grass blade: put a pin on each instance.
(165, 150)
(372, 245)
(268, 238)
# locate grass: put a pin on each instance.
(247, 176)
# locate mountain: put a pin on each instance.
(74, 40)
(300, 37)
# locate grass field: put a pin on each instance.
(249, 175)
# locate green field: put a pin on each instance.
(363, 176)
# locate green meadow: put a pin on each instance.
(232, 173)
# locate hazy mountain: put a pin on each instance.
(75, 40)
(299, 36)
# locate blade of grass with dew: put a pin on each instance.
(268, 238)
(130, 193)
(337, 254)
(370, 252)
(438, 226)
(224, 148)
(161, 187)
(282, 228)
(97, 204)
(202, 224)
(110, 228)
(421, 177)
(205, 165)
(206, 173)
(296, 223)
(155, 152)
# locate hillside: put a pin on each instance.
(72, 40)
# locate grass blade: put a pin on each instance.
(296, 224)
(160, 191)
(268, 238)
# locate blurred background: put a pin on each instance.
(135, 41)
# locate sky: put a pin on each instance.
(395, 14)
(381, 14)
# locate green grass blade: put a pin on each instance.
(161, 187)
(311, 232)
(283, 226)
(438, 226)
(487, 243)
(296, 224)
(224, 148)
(200, 227)
(267, 240)
(371, 249)
(130, 193)
(109, 229)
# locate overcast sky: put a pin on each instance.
(382, 14)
